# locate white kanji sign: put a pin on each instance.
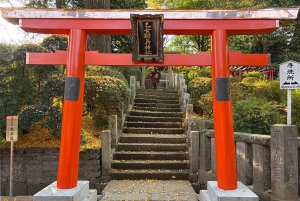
(289, 73)
(12, 128)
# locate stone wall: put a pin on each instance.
(36, 168)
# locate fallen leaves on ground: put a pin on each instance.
(42, 137)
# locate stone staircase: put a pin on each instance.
(153, 144)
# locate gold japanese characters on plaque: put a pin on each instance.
(147, 38)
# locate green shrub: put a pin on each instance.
(255, 74)
(128, 71)
(105, 95)
(194, 73)
(250, 80)
(105, 71)
(199, 86)
(206, 106)
(255, 115)
(269, 90)
(296, 109)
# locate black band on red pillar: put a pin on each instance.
(222, 89)
(72, 88)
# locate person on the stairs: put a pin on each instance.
(154, 77)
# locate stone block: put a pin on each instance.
(34, 150)
(284, 163)
(34, 188)
(242, 193)
(194, 152)
(51, 150)
(113, 127)
(204, 152)
(106, 152)
(19, 189)
(261, 167)
(213, 156)
(244, 163)
(51, 192)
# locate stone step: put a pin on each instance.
(157, 91)
(161, 105)
(150, 155)
(145, 100)
(149, 174)
(157, 96)
(153, 119)
(157, 109)
(155, 138)
(149, 164)
(151, 147)
(153, 130)
(155, 114)
(153, 124)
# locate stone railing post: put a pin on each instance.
(189, 111)
(261, 168)
(193, 147)
(106, 154)
(284, 163)
(204, 149)
(132, 89)
(171, 84)
(113, 127)
(194, 155)
(244, 163)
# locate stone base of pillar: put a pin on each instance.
(79, 193)
(213, 193)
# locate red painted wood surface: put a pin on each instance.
(223, 118)
(171, 27)
(106, 59)
(68, 164)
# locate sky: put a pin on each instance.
(12, 34)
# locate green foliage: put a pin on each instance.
(105, 95)
(205, 105)
(249, 81)
(255, 115)
(198, 87)
(5, 54)
(270, 91)
(197, 72)
(55, 42)
(255, 74)
(104, 71)
(128, 71)
(296, 108)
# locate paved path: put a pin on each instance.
(139, 190)
(149, 190)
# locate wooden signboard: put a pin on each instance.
(147, 37)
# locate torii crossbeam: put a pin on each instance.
(217, 23)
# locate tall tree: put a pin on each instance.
(102, 43)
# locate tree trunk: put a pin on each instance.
(102, 43)
(58, 3)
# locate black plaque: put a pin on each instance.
(72, 88)
(147, 37)
(223, 89)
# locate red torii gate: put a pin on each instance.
(217, 23)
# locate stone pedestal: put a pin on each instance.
(213, 193)
(79, 193)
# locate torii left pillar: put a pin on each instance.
(73, 104)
